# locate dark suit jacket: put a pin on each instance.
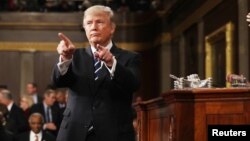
(16, 121)
(105, 103)
(39, 108)
(6, 135)
(61, 110)
(46, 136)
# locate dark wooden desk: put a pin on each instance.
(183, 115)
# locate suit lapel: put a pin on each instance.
(27, 136)
(115, 51)
(44, 138)
(90, 65)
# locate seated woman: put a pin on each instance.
(25, 103)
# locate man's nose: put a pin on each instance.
(93, 26)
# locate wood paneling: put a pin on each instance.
(154, 130)
(184, 115)
(10, 71)
(43, 65)
(224, 108)
(229, 119)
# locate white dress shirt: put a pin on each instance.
(35, 98)
(10, 106)
(33, 136)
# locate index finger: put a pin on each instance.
(64, 38)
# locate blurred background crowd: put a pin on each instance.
(77, 5)
(16, 118)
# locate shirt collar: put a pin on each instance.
(10, 105)
(35, 98)
(33, 134)
(109, 46)
(45, 105)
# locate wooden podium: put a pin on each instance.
(184, 115)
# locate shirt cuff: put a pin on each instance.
(63, 66)
(112, 70)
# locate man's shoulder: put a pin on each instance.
(23, 135)
(36, 107)
(127, 53)
(15, 108)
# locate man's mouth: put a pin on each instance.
(94, 34)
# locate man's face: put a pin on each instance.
(35, 123)
(3, 100)
(60, 97)
(50, 99)
(31, 89)
(98, 28)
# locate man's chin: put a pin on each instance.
(95, 42)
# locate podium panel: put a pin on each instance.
(184, 115)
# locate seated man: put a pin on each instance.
(36, 133)
(15, 121)
(5, 135)
(50, 112)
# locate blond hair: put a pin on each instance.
(27, 99)
(100, 9)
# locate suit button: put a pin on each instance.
(93, 108)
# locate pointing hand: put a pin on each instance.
(65, 48)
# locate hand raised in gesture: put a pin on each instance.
(65, 48)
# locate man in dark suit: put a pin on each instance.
(15, 120)
(61, 95)
(32, 90)
(99, 102)
(36, 133)
(49, 111)
(5, 135)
